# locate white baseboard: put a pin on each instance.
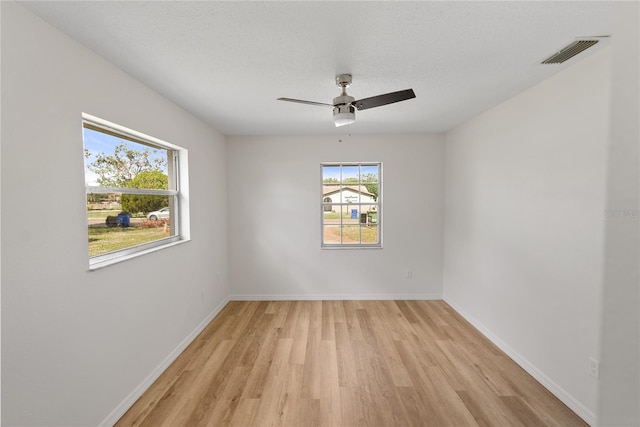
(329, 297)
(588, 416)
(124, 406)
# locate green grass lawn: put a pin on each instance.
(345, 215)
(107, 239)
(101, 214)
(351, 234)
(105, 214)
(335, 215)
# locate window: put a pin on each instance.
(133, 195)
(351, 205)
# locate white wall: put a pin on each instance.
(275, 209)
(524, 209)
(619, 400)
(76, 343)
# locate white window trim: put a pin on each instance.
(181, 220)
(350, 246)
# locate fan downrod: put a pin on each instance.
(342, 103)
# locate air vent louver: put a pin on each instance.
(570, 51)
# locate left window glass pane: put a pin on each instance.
(130, 191)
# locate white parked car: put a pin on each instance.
(156, 215)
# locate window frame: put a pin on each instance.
(176, 171)
(378, 203)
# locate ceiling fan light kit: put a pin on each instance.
(344, 115)
(345, 106)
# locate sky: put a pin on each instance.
(347, 171)
(98, 142)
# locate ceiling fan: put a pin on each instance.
(345, 106)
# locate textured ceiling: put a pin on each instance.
(227, 62)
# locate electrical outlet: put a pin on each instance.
(594, 367)
(409, 274)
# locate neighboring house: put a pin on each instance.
(348, 194)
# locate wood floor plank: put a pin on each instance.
(347, 375)
(328, 322)
(353, 325)
(245, 414)
(338, 311)
(522, 411)
(450, 408)
(291, 319)
(330, 405)
(417, 413)
(221, 414)
(189, 395)
(477, 411)
(432, 409)
(300, 334)
(281, 310)
(345, 364)
(545, 405)
(312, 373)
(275, 397)
(352, 414)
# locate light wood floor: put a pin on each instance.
(345, 363)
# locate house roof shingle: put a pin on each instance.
(330, 189)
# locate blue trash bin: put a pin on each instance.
(354, 213)
(124, 219)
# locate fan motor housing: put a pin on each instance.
(343, 109)
(343, 100)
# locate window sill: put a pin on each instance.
(125, 257)
(347, 247)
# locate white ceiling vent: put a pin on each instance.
(570, 51)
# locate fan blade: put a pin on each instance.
(300, 101)
(387, 98)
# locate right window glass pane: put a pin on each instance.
(351, 205)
